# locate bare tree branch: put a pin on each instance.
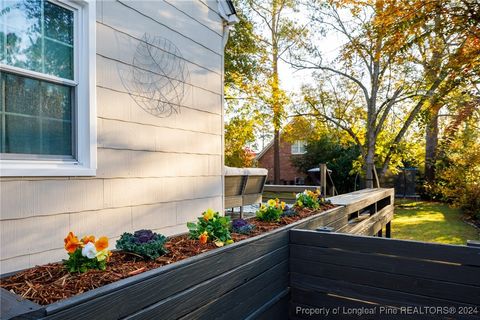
(391, 102)
(334, 121)
(411, 117)
(358, 82)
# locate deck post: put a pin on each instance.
(323, 178)
(388, 230)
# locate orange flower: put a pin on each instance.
(71, 242)
(88, 239)
(203, 238)
(102, 243)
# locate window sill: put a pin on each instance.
(10, 168)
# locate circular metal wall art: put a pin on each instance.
(157, 77)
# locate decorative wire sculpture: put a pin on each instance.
(157, 78)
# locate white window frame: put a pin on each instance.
(85, 119)
(296, 146)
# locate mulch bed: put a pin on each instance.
(52, 282)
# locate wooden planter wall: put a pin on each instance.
(245, 280)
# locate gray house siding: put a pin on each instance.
(152, 172)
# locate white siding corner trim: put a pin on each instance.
(85, 162)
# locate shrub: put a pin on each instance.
(86, 254)
(211, 227)
(271, 211)
(457, 171)
(242, 226)
(469, 200)
(145, 243)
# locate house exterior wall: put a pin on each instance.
(288, 172)
(155, 173)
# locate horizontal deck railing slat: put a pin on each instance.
(436, 275)
(405, 283)
(414, 295)
(413, 249)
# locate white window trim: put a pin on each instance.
(85, 163)
(296, 147)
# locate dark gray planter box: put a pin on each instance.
(248, 279)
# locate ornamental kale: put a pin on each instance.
(145, 243)
(211, 226)
(242, 226)
(144, 236)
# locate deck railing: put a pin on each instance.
(386, 278)
(364, 212)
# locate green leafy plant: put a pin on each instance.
(271, 211)
(309, 199)
(86, 254)
(145, 243)
(211, 227)
(80, 263)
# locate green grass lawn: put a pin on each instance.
(431, 222)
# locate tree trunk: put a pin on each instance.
(276, 157)
(372, 110)
(276, 107)
(431, 143)
(370, 144)
(370, 164)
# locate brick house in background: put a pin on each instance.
(288, 172)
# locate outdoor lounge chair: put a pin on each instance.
(244, 186)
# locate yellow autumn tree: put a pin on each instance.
(390, 59)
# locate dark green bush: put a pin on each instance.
(338, 156)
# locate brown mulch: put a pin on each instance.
(52, 282)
